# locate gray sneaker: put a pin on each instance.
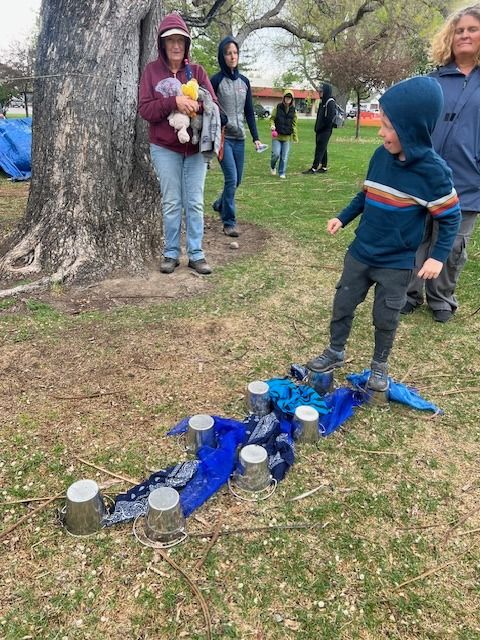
(200, 266)
(326, 361)
(378, 379)
(168, 265)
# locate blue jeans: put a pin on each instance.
(232, 167)
(280, 149)
(182, 181)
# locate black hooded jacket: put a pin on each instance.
(326, 110)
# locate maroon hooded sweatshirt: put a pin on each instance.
(155, 99)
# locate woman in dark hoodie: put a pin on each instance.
(323, 129)
(180, 167)
(235, 99)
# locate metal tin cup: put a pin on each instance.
(200, 432)
(164, 521)
(306, 424)
(258, 398)
(321, 382)
(379, 398)
(256, 475)
(84, 508)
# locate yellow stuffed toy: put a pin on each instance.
(190, 89)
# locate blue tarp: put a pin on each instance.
(16, 147)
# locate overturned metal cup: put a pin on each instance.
(253, 461)
(320, 382)
(200, 432)
(258, 398)
(84, 508)
(306, 424)
(164, 521)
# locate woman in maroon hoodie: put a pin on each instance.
(180, 167)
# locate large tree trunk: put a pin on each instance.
(93, 206)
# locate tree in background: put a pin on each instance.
(94, 204)
(20, 59)
(405, 27)
(362, 69)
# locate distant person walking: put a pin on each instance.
(323, 129)
(284, 129)
(456, 48)
(234, 96)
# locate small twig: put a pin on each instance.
(27, 516)
(309, 493)
(298, 331)
(467, 533)
(110, 473)
(460, 522)
(229, 532)
(99, 394)
(195, 589)
(8, 504)
(213, 539)
(409, 371)
(453, 391)
(376, 452)
(425, 574)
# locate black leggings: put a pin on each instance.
(321, 143)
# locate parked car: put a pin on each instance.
(260, 111)
(352, 113)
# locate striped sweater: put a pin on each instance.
(398, 195)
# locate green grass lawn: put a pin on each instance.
(392, 550)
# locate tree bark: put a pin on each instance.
(94, 204)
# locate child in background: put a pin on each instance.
(284, 124)
(406, 180)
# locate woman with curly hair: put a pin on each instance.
(456, 51)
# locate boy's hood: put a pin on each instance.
(229, 73)
(172, 21)
(413, 106)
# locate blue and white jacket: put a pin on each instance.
(397, 195)
(457, 133)
(234, 96)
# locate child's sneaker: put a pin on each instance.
(326, 361)
(283, 176)
(378, 379)
(273, 172)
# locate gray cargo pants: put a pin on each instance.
(440, 293)
(390, 297)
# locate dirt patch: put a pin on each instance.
(153, 286)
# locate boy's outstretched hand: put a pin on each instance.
(333, 225)
(431, 269)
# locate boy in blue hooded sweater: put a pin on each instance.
(406, 181)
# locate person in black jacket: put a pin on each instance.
(323, 129)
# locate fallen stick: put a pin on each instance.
(377, 452)
(110, 473)
(309, 493)
(213, 539)
(425, 574)
(229, 532)
(464, 390)
(195, 589)
(8, 504)
(27, 516)
(98, 394)
(467, 533)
